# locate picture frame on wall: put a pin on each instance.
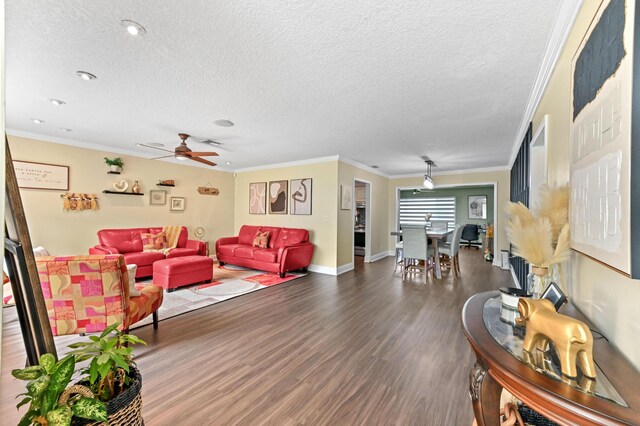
(346, 197)
(258, 198)
(477, 206)
(32, 175)
(157, 197)
(278, 197)
(301, 194)
(177, 204)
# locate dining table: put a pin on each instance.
(434, 235)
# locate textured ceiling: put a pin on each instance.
(382, 83)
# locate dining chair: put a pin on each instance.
(451, 251)
(416, 252)
(399, 260)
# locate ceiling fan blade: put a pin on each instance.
(154, 147)
(202, 154)
(203, 161)
(164, 156)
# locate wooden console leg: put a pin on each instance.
(485, 396)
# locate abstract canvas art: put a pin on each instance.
(301, 196)
(278, 197)
(258, 198)
(477, 206)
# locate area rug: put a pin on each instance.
(229, 281)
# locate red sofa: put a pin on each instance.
(288, 249)
(128, 242)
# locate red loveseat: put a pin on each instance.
(128, 242)
(288, 249)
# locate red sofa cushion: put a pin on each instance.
(227, 249)
(179, 252)
(291, 236)
(266, 255)
(245, 252)
(125, 240)
(143, 258)
(247, 234)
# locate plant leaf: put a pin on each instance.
(79, 344)
(50, 400)
(29, 373)
(104, 369)
(94, 338)
(24, 401)
(37, 386)
(109, 329)
(59, 417)
(90, 408)
(93, 371)
(48, 363)
(121, 363)
(103, 358)
(26, 419)
(62, 374)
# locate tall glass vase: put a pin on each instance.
(537, 281)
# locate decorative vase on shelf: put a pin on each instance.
(135, 188)
(537, 281)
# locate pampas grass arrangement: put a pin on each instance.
(542, 239)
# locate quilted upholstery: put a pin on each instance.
(85, 294)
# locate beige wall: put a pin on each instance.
(501, 179)
(322, 223)
(347, 173)
(608, 298)
(68, 232)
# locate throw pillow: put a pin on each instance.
(153, 241)
(131, 271)
(261, 239)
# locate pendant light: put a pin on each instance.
(428, 181)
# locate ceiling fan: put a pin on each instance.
(183, 152)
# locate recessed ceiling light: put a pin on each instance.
(64, 129)
(223, 123)
(87, 76)
(37, 120)
(228, 163)
(57, 102)
(133, 27)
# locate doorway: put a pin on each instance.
(362, 220)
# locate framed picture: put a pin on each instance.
(258, 198)
(555, 295)
(300, 196)
(177, 204)
(278, 197)
(346, 197)
(41, 175)
(477, 206)
(157, 197)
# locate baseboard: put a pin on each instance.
(344, 268)
(323, 269)
(381, 255)
(391, 253)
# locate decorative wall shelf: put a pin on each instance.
(113, 173)
(164, 184)
(121, 193)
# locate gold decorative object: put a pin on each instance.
(571, 338)
(135, 188)
(79, 202)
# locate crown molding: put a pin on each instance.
(361, 166)
(562, 25)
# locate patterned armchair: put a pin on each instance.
(85, 294)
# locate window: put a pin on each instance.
(412, 210)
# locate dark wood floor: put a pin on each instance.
(362, 348)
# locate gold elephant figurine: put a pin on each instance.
(571, 338)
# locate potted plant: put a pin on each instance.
(47, 381)
(116, 164)
(109, 390)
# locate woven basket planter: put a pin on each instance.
(123, 410)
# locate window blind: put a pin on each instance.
(412, 210)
